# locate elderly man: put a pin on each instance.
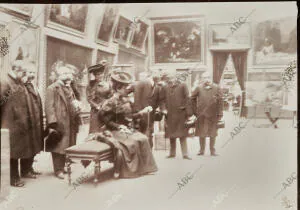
(174, 102)
(36, 111)
(208, 109)
(16, 116)
(62, 113)
(146, 96)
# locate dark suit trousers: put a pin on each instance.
(58, 162)
(183, 144)
(26, 166)
(148, 131)
(211, 144)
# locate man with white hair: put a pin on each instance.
(62, 113)
(207, 106)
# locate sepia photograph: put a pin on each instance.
(149, 106)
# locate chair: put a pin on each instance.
(91, 150)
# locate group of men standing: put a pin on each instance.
(22, 114)
(203, 107)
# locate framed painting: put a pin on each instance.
(122, 32)
(23, 42)
(106, 28)
(178, 40)
(275, 41)
(139, 36)
(23, 11)
(221, 36)
(76, 57)
(69, 18)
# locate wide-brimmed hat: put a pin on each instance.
(96, 68)
(121, 77)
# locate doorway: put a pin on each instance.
(238, 72)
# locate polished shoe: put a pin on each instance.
(60, 175)
(187, 158)
(29, 175)
(171, 156)
(17, 183)
(200, 153)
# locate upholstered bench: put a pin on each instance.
(91, 150)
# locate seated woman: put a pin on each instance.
(134, 156)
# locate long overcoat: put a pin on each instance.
(59, 111)
(16, 116)
(175, 99)
(36, 111)
(207, 104)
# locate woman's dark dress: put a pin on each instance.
(137, 157)
(96, 95)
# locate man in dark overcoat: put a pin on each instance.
(16, 116)
(207, 106)
(146, 94)
(36, 110)
(62, 113)
(174, 101)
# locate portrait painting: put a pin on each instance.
(275, 41)
(122, 31)
(75, 57)
(139, 35)
(107, 24)
(178, 41)
(221, 36)
(69, 16)
(20, 10)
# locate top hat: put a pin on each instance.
(121, 77)
(96, 68)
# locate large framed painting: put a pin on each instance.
(139, 36)
(23, 42)
(122, 32)
(275, 41)
(70, 18)
(108, 23)
(23, 11)
(178, 40)
(221, 36)
(76, 57)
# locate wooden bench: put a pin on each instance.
(91, 150)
